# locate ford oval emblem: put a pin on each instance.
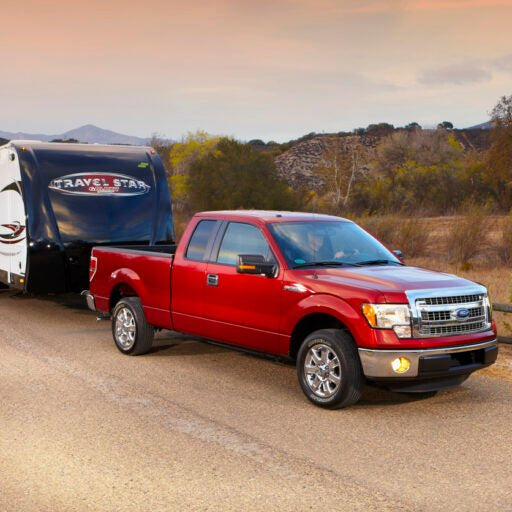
(462, 314)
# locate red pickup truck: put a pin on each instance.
(316, 288)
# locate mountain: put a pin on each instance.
(482, 126)
(87, 133)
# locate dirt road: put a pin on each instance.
(194, 426)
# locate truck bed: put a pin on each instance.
(119, 266)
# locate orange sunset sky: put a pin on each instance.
(253, 69)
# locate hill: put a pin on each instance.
(88, 133)
(296, 160)
(482, 126)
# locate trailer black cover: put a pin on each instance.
(73, 197)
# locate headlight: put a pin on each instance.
(389, 316)
(488, 307)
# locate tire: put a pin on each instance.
(339, 381)
(131, 332)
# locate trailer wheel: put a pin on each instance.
(329, 369)
(132, 334)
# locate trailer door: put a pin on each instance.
(13, 235)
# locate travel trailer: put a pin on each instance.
(58, 200)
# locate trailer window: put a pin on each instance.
(196, 249)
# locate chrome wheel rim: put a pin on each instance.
(125, 328)
(322, 370)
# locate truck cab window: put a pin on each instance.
(241, 238)
(198, 244)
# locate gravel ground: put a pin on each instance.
(193, 426)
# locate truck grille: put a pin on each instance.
(438, 316)
(456, 299)
(454, 329)
(451, 315)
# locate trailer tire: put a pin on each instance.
(329, 369)
(131, 332)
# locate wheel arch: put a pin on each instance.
(124, 283)
(120, 291)
(310, 323)
(322, 312)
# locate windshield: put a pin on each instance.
(329, 242)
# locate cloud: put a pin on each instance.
(378, 6)
(504, 64)
(434, 5)
(458, 74)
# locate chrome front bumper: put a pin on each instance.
(377, 363)
(89, 298)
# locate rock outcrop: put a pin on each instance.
(297, 165)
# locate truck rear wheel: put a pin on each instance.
(329, 369)
(132, 334)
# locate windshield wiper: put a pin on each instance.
(324, 264)
(378, 262)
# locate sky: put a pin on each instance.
(269, 69)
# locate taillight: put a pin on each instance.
(93, 266)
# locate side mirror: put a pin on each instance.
(398, 254)
(255, 264)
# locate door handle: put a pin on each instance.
(212, 280)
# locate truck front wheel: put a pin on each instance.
(329, 369)
(132, 334)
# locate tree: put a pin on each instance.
(343, 162)
(193, 146)
(445, 125)
(501, 114)
(237, 176)
(181, 157)
(380, 129)
(420, 170)
(163, 147)
(499, 161)
(413, 126)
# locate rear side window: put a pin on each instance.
(243, 239)
(198, 244)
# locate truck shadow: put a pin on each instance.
(73, 301)
(275, 374)
(264, 370)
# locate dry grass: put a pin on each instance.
(475, 239)
(408, 235)
(481, 249)
(504, 244)
(467, 238)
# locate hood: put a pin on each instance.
(389, 281)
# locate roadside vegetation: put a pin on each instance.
(440, 196)
(379, 175)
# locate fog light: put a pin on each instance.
(402, 331)
(400, 364)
